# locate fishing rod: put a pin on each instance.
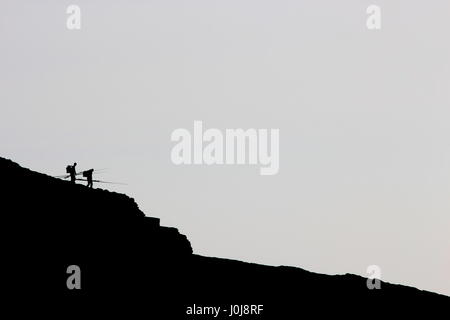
(100, 181)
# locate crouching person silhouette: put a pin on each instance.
(88, 175)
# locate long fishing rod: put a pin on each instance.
(100, 181)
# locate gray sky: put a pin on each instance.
(363, 116)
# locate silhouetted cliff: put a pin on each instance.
(129, 263)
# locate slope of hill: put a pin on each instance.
(129, 263)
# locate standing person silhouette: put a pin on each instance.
(88, 175)
(72, 172)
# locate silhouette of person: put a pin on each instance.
(88, 175)
(72, 172)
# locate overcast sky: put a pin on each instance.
(363, 117)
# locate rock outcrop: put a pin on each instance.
(130, 263)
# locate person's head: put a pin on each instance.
(74, 164)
